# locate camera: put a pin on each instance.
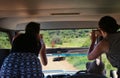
(98, 35)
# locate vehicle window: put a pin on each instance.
(73, 60)
(67, 38)
(4, 41)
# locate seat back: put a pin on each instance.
(3, 53)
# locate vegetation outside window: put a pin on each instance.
(4, 41)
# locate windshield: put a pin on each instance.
(66, 38)
(66, 50)
(69, 49)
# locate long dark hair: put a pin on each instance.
(32, 28)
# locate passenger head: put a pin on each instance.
(108, 24)
(96, 67)
(32, 28)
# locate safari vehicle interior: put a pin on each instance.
(60, 20)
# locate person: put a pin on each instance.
(96, 67)
(23, 61)
(110, 43)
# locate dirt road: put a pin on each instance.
(58, 65)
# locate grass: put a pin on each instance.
(78, 62)
(76, 42)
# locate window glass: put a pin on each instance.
(66, 38)
(71, 38)
(4, 41)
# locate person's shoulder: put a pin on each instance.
(117, 33)
(19, 36)
(114, 35)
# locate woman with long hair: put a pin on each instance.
(23, 62)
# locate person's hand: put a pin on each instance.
(98, 33)
(41, 39)
(93, 36)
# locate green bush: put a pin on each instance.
(78, 62)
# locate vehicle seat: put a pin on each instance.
(3, 53)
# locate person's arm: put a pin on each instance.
(93, 40)
(100, 48)
(43, 56)
(96, 50)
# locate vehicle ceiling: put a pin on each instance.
(56, 13)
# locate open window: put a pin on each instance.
(4, 41)
(66, 49)
(4, 46)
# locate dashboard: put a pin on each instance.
(58, 76)
(78, 74)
